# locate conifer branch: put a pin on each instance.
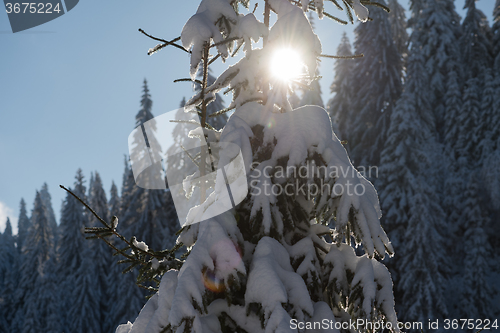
(188, 80)
(218, 113)
(185, 121)
(354, 56)
(192, 159)
(225, 41)
(335, 18)
(339, 7)
(348, 7)
(165, 42)
(215, 58)
(375, 4)
(139, 255)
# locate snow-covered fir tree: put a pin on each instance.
(267, 261)
(476, 50)
(85, 300)
(377, 81)
(397, 19)
(411, 206)
(101, 253)
(114, 275)
(439, 34)
(491, 95)
(8, 276)
(147, 214)
(476, 293)
(469, 139)
(495, 32)
(50, 298)
(47, 201)
(486, 117)
(114, 202)
(23, 224)
(71, 250)
(340, 106)
(30, 293)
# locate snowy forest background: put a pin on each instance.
(422, 105)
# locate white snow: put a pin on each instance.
(140, 245)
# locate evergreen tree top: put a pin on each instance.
(97, 179)
(476, 47)
(345, 45)
(22, 211)
(40, 236)
(114, 190)
(496, 12)
(23, 224)
(79, 184)
(144, 113)
(8, 228)
(496, 35)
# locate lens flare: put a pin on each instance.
(286, 65)
(211, 282)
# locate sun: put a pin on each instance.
(286, 65)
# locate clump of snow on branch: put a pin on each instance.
(360, 11)
(200, 29)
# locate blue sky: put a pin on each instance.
(70, 90)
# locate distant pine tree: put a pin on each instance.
(476, 49)
(38, 250)
(50, 297)
(47, 201)
(413, 215)
(495, 32)
(84, 298)
(9, 267)
(114, 201)
(469, 139)
(475, 44)
(439, 34)
(145, 214)
(101, 252)
(23, 224)
(71, 247)
(476, 292)
(495, 120)
(340, 106)
(397, 19)
(377, 81)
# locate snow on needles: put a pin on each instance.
(298, 135)
(201, 28)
